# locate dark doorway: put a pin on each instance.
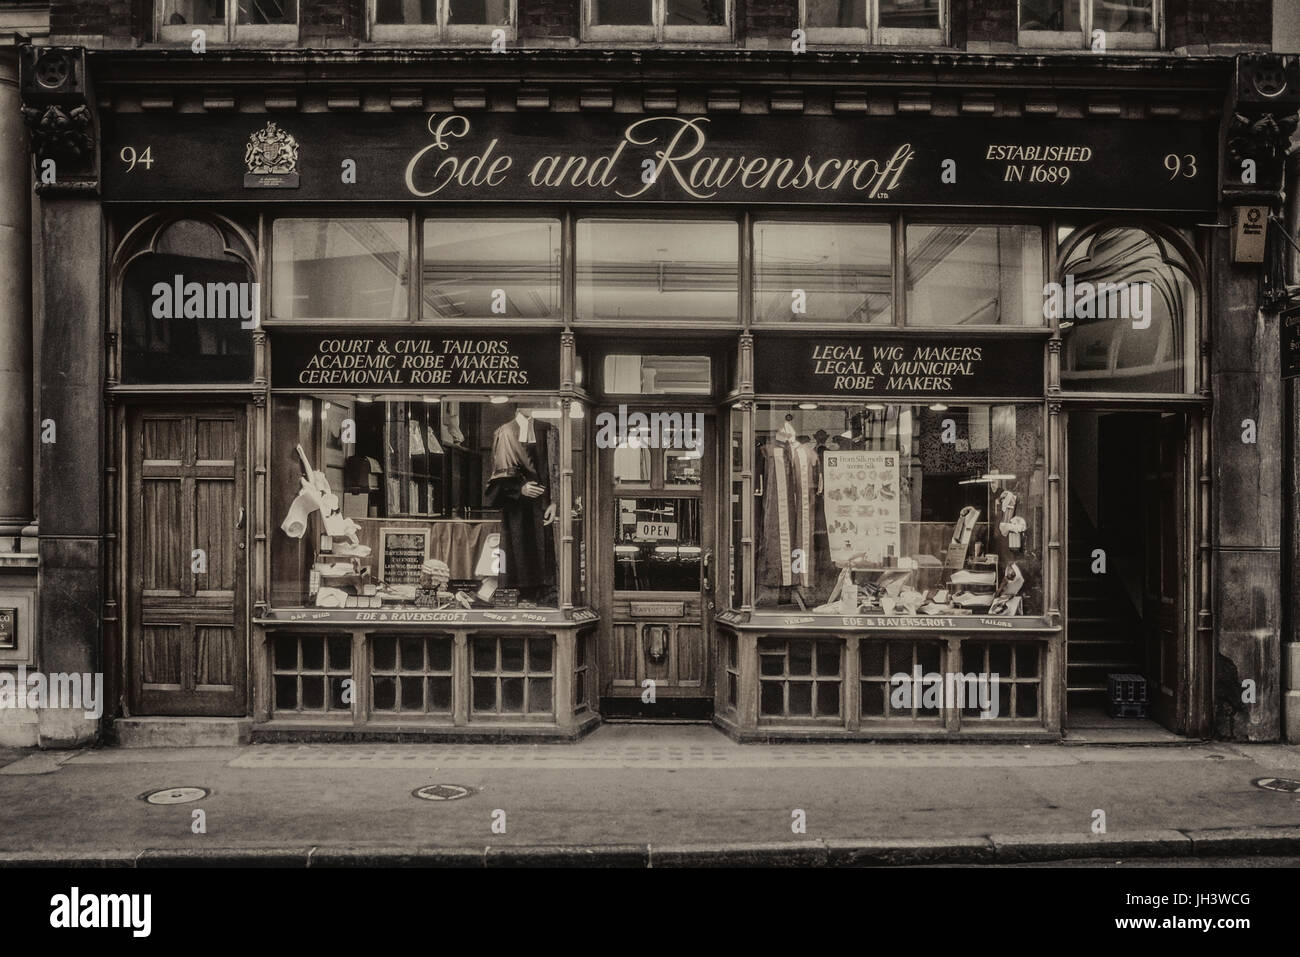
(1127, 560)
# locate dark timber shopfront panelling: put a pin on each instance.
(485, 410)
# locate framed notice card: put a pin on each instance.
(401, 553)
(861, 499)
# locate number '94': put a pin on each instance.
(131, 158)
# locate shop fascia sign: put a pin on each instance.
(1006, 162)
(930, 366)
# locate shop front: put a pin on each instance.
(491, 424)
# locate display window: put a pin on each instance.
(875, 509)
(419, 501)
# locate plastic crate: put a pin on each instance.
(1128, 696)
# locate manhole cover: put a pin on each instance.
(441, 792)
(175, 795)
(1278, 784)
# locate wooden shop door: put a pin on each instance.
(1165, 581)
(187, 627)
(656, 585)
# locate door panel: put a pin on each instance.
(187, 626)
(1164, 581)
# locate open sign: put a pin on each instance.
(656, 531)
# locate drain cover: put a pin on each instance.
(1277, 784)
(175, 795)
(441, 792)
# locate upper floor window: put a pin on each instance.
(440, 19)
(1098, 25)
(874, 21)
(226, 21)
(658, 19)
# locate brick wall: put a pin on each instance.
(1198, 22)
(121, 19)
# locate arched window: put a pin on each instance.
(189, 306)
(1127, 305)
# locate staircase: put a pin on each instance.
(1105, 630)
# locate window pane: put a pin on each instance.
(621, 13)
(339, 268)
(495, 12)
(873, 509)
(1058, 15)
(406, 11)
(425, 509)
(974, 275)
(657, 375)
(491, 268)
(657, 269)
(823, 272)
(181, 12)
(1123, 16)
(836, 13)
(696, 13)
(183, 308)
(1125, 310)
(265, 12)
(657, 545)
(913, 14)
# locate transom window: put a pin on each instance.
(1127, 312)
(874, 21)
(658, 19)
(643, 269)
(1098, 25)
(224, 21)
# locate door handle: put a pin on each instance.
(239, 522)
(708, 561)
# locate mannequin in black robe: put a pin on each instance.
(522, 485)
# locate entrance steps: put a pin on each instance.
(181, 732)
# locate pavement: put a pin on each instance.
(649, 795)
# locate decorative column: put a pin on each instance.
(57, 107)
(16, 502)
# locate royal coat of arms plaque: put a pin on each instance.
(271, 159)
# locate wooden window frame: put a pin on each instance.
(912, 715)
(1082, 39)
(876, 35)
(498, 674)
(658, 30)
(814, 678)
(229, 32)
(442, 30)
(422, 674)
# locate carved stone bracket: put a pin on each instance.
(58, 111)
(1263, 138)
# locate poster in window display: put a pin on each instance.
(861, 499)
(401, 553)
